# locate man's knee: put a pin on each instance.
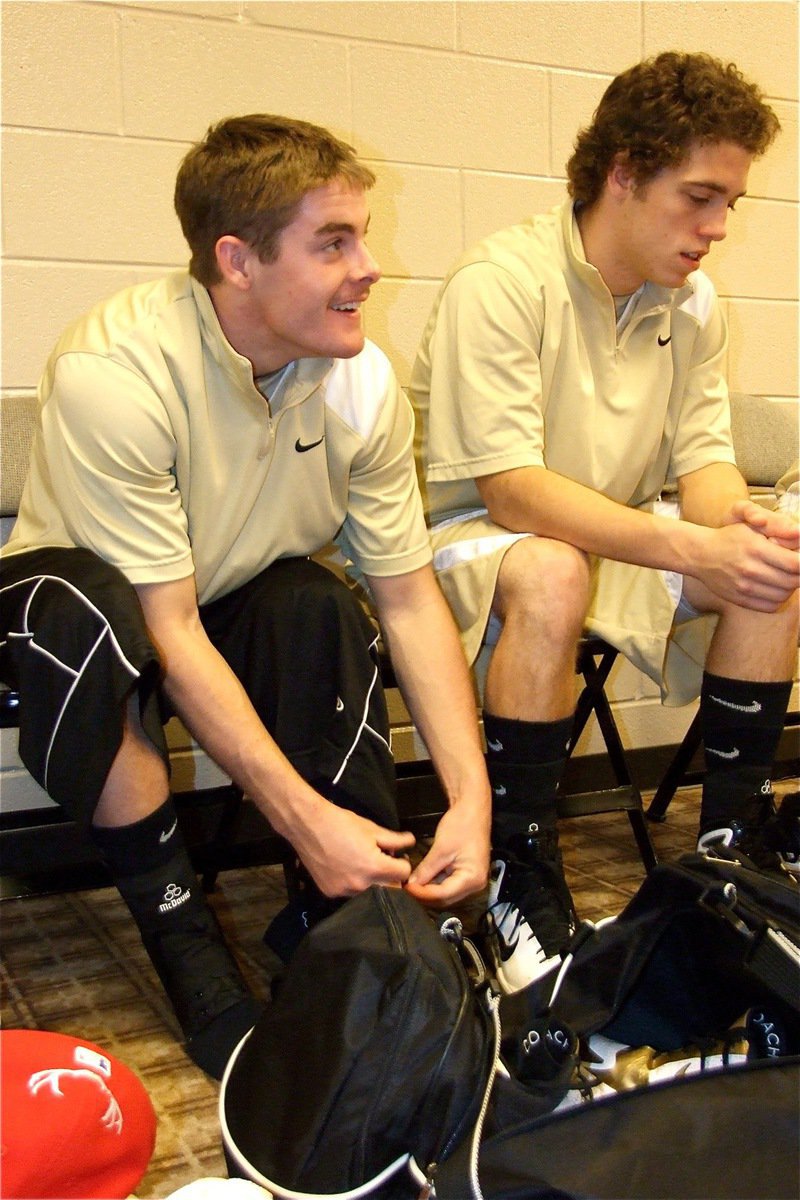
(545, 582)
(76, 647)
(62, 602)
(783, 620)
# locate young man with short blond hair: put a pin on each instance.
(200, 437)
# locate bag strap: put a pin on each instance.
(770, 955)
(775, 960)
(493, 1004)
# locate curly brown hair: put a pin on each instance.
(248, 176)
(653, 113)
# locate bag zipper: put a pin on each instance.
(429, 1187)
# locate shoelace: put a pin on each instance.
(514, 912)
(540, 879)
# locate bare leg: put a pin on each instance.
(541, 598)
(137, 783)
(754, 645)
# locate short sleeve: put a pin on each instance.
(703, 430)
(112, 453)
(485, 413)
(384, 532)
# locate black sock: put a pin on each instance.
(149, 863)
(525, 761)
(150, 866)
(742, 725)
(129, 849)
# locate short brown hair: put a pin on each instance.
(247, 178)
(654, 112)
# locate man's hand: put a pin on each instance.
(780, 527)
(742, 562)
(345, 853)
(457, 864)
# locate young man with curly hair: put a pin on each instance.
(571, 368)
(199, 438)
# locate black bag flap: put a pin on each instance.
(375, 1017)
(724, 1135)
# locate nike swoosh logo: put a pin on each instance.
(167, 834)
(495, 746)
(664, 341)
(301, 447)
(506, 949)
(722, 753)
(755, 707)
(500, 791)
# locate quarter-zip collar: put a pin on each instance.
(653, 298)
(305, 376)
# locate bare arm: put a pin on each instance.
(732, 559)
(343, 852)
(707, 496)
(435, 683)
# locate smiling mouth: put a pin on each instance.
(349, 306)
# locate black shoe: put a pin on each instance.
(765, 838)
(530, 916)
(205, 987)
(286, 930)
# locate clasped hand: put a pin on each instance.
(753, 558)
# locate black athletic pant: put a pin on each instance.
(74, 644)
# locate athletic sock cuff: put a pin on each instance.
(763, 702)
(142, 845)
(527, 741)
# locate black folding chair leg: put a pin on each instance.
(226, 829)
(593, 699)
(675, 771)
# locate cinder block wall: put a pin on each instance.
(467, 111)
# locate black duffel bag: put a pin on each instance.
(374, 1057)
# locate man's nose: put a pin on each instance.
(715, 226)
(367, 267)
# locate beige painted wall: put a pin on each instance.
(467, 110)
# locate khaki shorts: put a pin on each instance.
(637, 609)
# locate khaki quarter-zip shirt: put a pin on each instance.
(521, 364)
(156, 450)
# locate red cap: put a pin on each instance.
(75, 1121)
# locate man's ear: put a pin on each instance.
(233, 257)
(620, 179)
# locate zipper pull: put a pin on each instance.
(452, 930)
(428, 1189)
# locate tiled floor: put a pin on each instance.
(74, 963)
(602, 864)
